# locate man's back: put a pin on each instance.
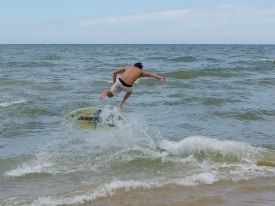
(131, 74)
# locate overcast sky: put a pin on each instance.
(137, 21)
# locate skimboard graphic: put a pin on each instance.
(92, 117)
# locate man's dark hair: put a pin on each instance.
(139, 65)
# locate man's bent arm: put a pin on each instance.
(121, 70)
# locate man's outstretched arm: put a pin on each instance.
(154, 75)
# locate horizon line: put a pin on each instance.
(137, 43)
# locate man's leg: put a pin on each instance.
(105, 93)
(124, 98)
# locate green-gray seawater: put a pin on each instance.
(213, 120)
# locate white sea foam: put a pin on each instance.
(40, 164)
(111, 189)
(111, 116)
(271, 60)
(201, 178)
(26, 169)
(198, 144)
(248, 171)
(208, 171)
(7, 104)
(102, 191)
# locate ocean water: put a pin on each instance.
(206, 136)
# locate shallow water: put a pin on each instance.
(211, 123)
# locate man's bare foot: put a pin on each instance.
(103, 95)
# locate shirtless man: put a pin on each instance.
(126, 81)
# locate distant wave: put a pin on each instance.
(183, 59)
(251, 115)
(212, 59)
(158, 58)
(272, 61)
(23, 109)
(9, 83)
(261, 81)
(218, 101)
(7, 104)
(52, 57)
(190, 74)
(31, 64)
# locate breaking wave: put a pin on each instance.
(7, 104)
